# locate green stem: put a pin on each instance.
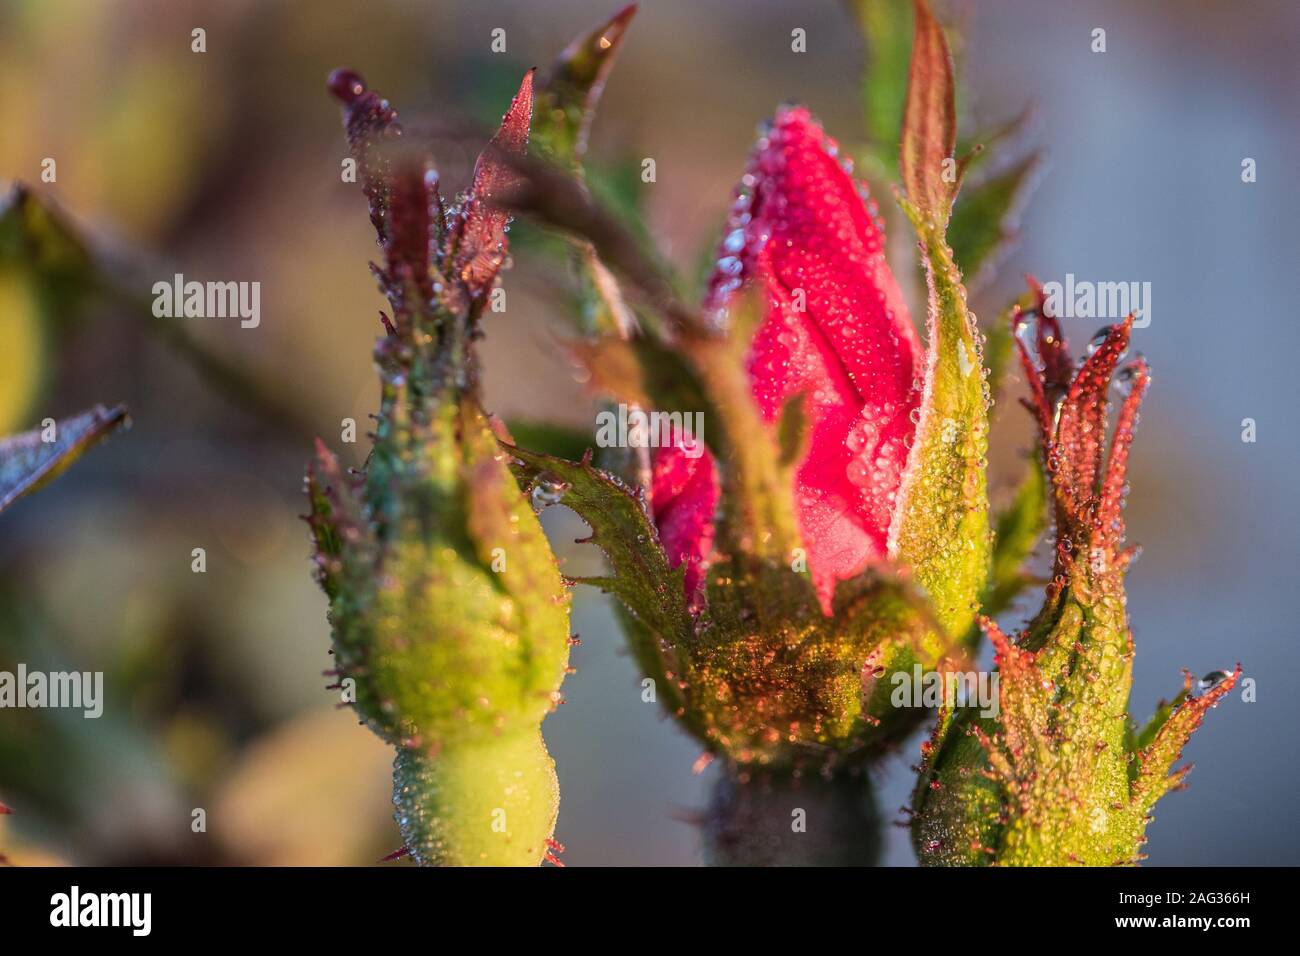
(776, 819)
(492, 802)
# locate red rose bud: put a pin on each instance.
(773, 628)
(836, 332)
(684, 495)
(851, 536)
(893, 469)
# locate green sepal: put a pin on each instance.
(1159, 746)
(958, 805)
(640, 575)
(1058, 777)
(566, 99)
(941, 526)
(983, 220)
(757, 459)
(773, 682)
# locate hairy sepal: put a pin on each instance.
(940, 529)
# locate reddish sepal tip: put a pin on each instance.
(346, 85)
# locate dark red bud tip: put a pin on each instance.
(346, 85)
(4, 809)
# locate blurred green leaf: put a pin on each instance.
(792, 432)
(1016, 532)
(560, 200)
(886, 27)
(998, 346)
(984, 220)
(47, 270)
(550, 439)
(23, 358)
(987, 143)
(45, 273)
(34, 231)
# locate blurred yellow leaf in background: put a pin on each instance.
(316, 791)
(22, 352)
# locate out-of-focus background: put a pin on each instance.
(225, 165)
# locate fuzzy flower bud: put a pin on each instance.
(833, 530)
(449, 615)
(1060, 775)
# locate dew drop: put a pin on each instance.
(548, 490)
(1126, 378)
(1100, 338)
(346, 85)
(858, 473)
(1212, 680)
